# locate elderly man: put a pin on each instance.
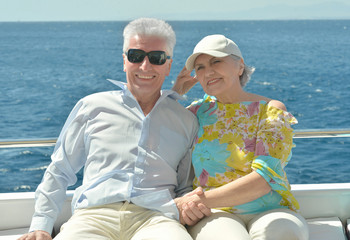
(135, 147)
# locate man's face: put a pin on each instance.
(144, 80)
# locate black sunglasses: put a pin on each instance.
(154, 57)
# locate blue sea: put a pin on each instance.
(46, 67)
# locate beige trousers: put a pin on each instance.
(121, 221)
(278, 224)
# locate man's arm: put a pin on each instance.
(67, 159)
(189, 213)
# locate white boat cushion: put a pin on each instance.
(330, 228)
(13, 234)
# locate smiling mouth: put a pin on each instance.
(145, 76)
(213, 81)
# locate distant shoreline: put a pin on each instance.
(216, 20)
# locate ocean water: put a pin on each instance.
(46, 67)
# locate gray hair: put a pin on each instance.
(247, 72)
(150, 27)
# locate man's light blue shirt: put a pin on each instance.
(126, 156)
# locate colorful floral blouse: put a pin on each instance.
(236, 139)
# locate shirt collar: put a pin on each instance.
(120, 84)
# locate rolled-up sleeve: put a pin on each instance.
(273, 151)
(67, 159)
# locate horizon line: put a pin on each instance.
(185, 20)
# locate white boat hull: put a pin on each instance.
(325, 206)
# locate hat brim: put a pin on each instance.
(191, 59)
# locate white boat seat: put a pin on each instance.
(12, 234)
(329, 228)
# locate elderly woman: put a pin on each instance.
(243, 144)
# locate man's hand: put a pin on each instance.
(184, 81)
(191, 207)
(36, 235)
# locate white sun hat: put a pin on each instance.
(215, 45)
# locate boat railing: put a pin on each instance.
(18, 143)
(324, 133)
(299, 133)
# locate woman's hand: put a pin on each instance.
(191, 207)
(184, 81)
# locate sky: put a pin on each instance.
(125, 10)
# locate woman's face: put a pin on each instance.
(219, 77)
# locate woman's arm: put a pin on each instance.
(184, 82)
(240, 191)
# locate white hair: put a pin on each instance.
(247, 72)
(150, 27)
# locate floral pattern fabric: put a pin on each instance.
(235, 139)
